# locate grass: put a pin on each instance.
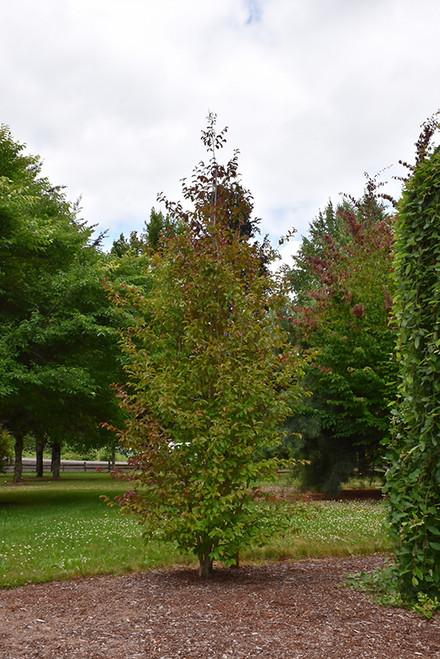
(57, 530)
(329, 528)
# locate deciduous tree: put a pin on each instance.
(413, 479)
(58, 345)
(342, 276)
(211, 374)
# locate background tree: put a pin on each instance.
(157, 228)
(343, 288)
(5, 449)
(413, 479)
(58, 346)
(149, 239)
(305, 278)
(134, 244)
(211, 375)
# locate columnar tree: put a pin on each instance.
(211, 374)
(413, 479)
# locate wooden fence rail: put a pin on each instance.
(29, 465)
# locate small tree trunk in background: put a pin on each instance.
(205, 565)
(18, 461)
(113, 456)
(56, 461)
(39, 448)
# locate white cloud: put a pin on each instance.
(113, 95)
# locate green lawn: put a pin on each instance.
(56, 530)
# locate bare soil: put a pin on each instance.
(285, 609)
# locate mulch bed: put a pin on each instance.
(287, 609)
(277, 493)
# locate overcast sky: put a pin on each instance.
(113, 94)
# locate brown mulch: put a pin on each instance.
(287, 609)
(277, 493)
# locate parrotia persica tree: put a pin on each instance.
(211, 374)
(413, 479)
(342, 281)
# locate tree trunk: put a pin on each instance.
(113, 456)
(205, 565)
(56, 461)
(18, 461)
(39, 448)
